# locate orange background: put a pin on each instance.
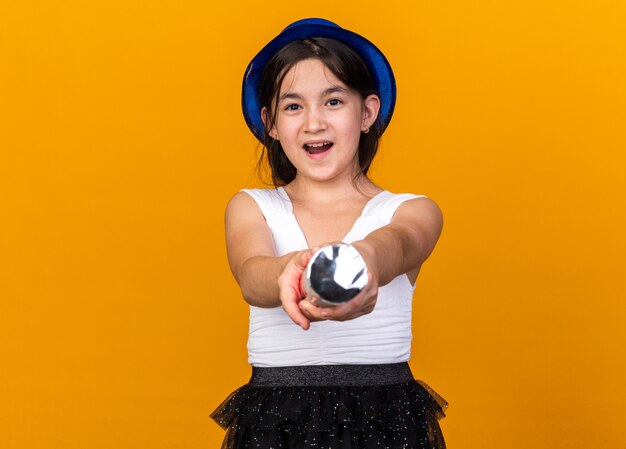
(121, 140)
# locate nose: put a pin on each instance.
(314, 120)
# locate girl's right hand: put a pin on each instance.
(290, 285)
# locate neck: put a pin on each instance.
(330, 191)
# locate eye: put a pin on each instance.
(334, 101)
(292, 107)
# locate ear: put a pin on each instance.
(371, 106)
(272, 132)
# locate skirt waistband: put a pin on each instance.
(331, 375)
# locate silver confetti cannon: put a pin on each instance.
(335, 274)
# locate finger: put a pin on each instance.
(310, 310)
(335, 313)
(303, 259)
(345, 311)
(294, 312)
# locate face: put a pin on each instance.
(319, 121)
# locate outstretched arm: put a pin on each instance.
(266, 280)
(398, 248)
(404, 244)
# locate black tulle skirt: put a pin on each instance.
(333, 407)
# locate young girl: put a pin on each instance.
(319, 97)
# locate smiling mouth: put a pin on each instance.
(317, 148)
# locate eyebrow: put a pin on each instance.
(331, 90)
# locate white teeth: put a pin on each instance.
(317, 145)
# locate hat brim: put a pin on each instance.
(374, 59)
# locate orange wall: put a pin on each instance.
(121, 139)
